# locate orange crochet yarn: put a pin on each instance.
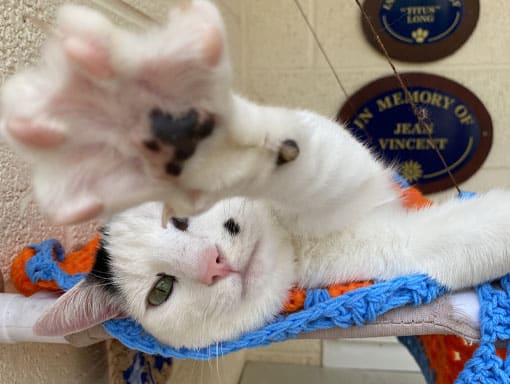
(297, 296)
(80, 261)
(447, 355)
(414, 199)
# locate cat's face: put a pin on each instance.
(199, 281)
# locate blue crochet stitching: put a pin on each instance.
(43, 265)
(415, 346)
(486, 366)
(320, 310)
(354, 308)
(357, 307)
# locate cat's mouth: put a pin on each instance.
(247, 272)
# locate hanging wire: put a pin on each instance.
(321, 48)
(421, 115)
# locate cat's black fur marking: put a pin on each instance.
(232, 227)
(181, 223)
(101, 273)
(205, 129)
(185, 151)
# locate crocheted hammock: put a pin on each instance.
(442, 358)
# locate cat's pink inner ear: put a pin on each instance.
(89, 56)
(81, 308)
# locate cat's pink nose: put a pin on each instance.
(215, 266)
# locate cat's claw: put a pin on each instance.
(166, 215)
(289, 151)
(117, 116)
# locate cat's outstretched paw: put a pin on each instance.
(110, 119)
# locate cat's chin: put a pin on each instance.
(242, 302)
(214, 331)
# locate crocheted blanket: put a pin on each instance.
(441, 358)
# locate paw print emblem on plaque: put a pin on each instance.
(421, 30)
(456, 125)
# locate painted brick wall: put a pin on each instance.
(275, 61)
(22, 224)
(282, 64)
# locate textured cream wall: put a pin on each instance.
(282, 64)
(20, 222)
(275, 61)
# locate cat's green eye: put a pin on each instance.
(161, 290)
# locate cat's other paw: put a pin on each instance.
(109, 119)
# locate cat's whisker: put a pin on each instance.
(218, 375)
(321, 220)
(166, 215)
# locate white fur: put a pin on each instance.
(459, 243)
(197, 314)
(332, 215)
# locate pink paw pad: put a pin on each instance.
(89, 56)
(34, 135)
(213, 47)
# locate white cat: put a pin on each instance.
(276, 197)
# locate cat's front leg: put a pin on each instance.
(334, 182)
(110, 119)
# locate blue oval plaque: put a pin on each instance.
(422, 30)
(457, 124)
(421, 22)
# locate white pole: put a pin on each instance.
(18, 314)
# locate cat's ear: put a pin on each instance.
(80, 308)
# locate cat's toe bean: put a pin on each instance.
(34, 134)
(86, 39)
(204, 129)
(180, 133)
(213, 47)
(289, 151)
(89, 56)
(173, 130)
(185, 150)
(152, 145)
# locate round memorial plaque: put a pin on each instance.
(380, 115)
(421, 30)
